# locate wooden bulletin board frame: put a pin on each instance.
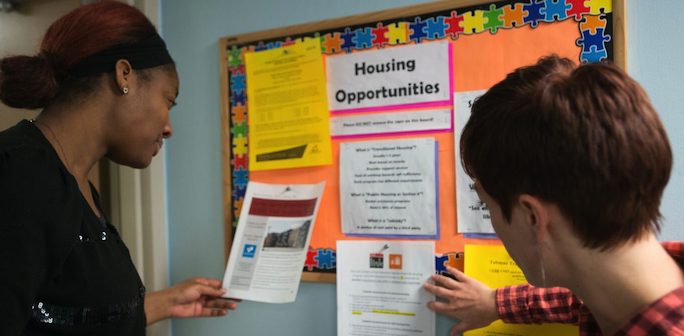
(234, 134)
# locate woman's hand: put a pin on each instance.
(468, 300)
(197, 297)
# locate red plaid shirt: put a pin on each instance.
(530, 305)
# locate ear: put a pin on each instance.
(536, 215)
(122, 72)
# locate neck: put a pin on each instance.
(75, 133)
(616, 284)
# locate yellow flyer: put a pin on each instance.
(289, 122)
(495, 268)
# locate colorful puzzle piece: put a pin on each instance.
(594, 55)
(534, 14)
(237, 208)
(327, 259)
(593, 22)
(417, 30)
(240, 176)
(238, 98)
(237, 70)
(473, 22)
(234, 57)
(493, 19)
(239, 129)
(237, 83)
(364, 38)
(321, 39)
(513, 16)
(578, 8)
(261, 46)
(598, 6)
(240, 161)
(239, 145)
(555, 10)
(454, 26)
(440, 267)
(332, 43)
(247, 49)
(288, 42)
(238, 113)
(398, 33)
(380, 33)
(588, 39)
(348, 40)
(310, 261)
(435, 28)
(239, 191)
(455, 261)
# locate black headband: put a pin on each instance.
(142, 55)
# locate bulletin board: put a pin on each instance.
(488, 40)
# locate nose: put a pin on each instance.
(168, 131)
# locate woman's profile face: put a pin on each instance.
(142, 122)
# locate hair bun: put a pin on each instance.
(27, 81)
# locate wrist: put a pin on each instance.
(494, 306)
(157, 306)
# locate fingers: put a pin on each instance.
(441, 307)
(210, 282)
(227, 298)
(209, 290)
(442, 292)
(221, 304)
(460, 276)
(206, 312)
(445, 281)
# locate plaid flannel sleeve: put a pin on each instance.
(530, 305)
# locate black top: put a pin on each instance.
(61, 272)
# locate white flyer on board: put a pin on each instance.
(271, 241)
(411, 74)
(388, 187)
(472, 214)
(380, 288)
(393, 122)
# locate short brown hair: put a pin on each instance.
(585, 138)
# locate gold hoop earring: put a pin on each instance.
(125, 90)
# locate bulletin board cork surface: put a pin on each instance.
(488, 40)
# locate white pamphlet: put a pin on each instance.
(271, 241)
(380, 288)
(388, 187)
(472, 214)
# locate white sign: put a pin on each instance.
(395, 122)
(395, 76)
(380, 288)
(271, 242)
(388, 187)
(472, 214)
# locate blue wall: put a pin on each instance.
(193, 155)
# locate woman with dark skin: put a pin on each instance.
(106, 84)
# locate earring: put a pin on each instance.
(125, 89)
(543, 269)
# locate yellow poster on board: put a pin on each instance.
(493, 266)
(289, 121)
